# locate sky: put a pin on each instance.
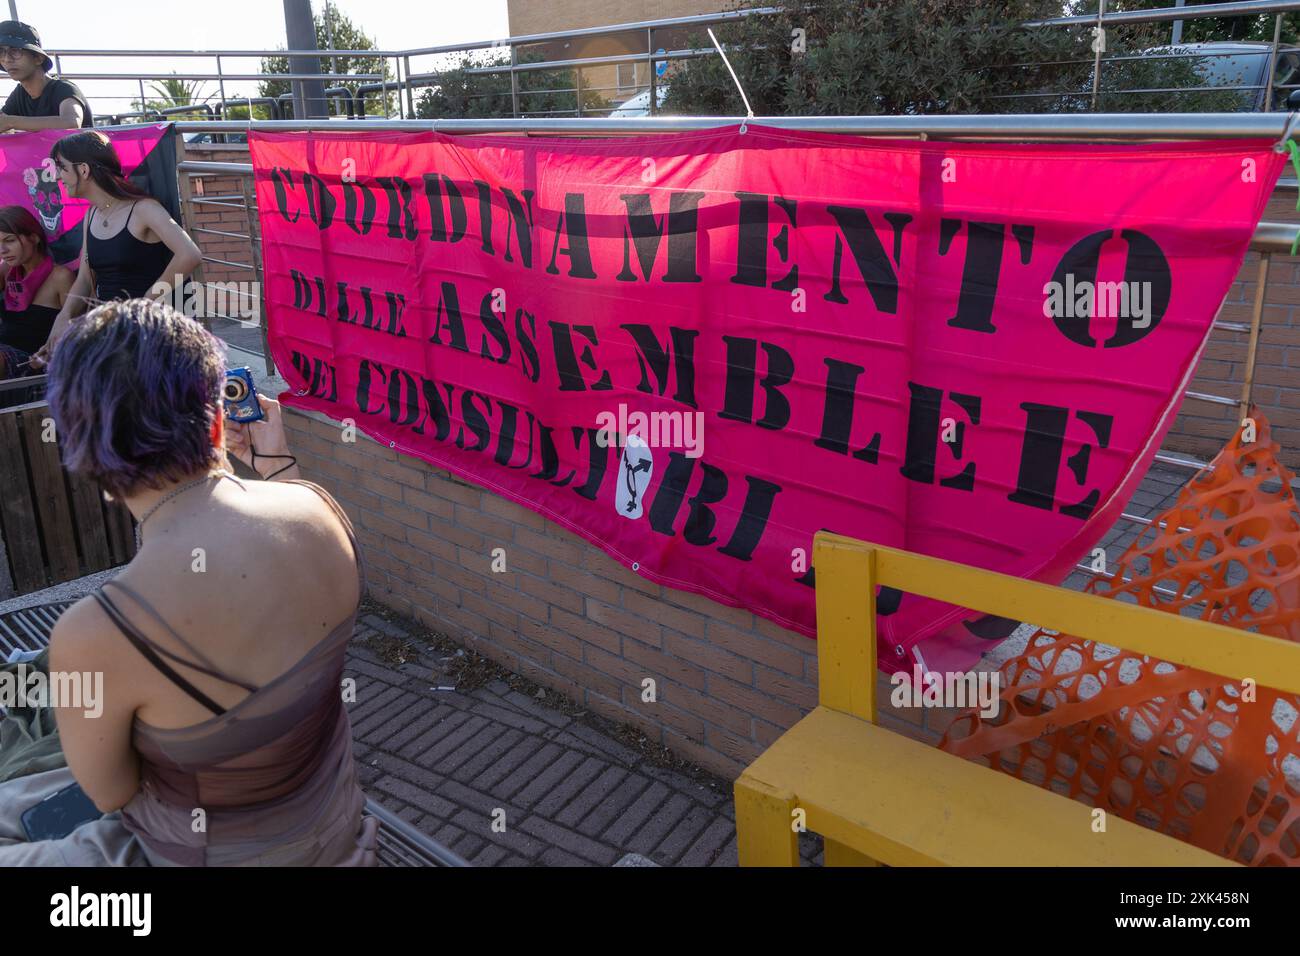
(229, 25)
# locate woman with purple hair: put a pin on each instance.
(221, 643)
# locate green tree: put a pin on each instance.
(843, 57)
(347, 36)
(458, 93)
(1258, 27)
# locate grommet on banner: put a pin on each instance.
(898, 649)
(749, 112)
(636, 566)
(392, 444)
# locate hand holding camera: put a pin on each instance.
(255, 428)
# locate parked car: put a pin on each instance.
(639, 105)
(1231, 65)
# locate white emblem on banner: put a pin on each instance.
(637, 466)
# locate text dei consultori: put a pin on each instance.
(495, 426)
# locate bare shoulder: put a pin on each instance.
(62, 277)
(84, 638)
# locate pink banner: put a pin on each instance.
(696, 350)
(29, 179)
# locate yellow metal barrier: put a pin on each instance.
(880, 797)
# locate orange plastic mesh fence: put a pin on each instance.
(1166, 746)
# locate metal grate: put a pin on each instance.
(400, 844)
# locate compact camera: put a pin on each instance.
(240, 396)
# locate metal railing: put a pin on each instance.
(393, 88)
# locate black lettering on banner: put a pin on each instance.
(751, 242)
(320, 203)
(438, 231)
(1146, 263)
(521, 218)
(358, 224)
(837, 412)
(573, 225)
(303, 288)
(738, 400)
(1040, 458)
(757, 508)
(484, 193)
(655, 356)
(528, 360)
(566, 358)
(923, 426)
(646, 232)
(879, 274)
(281, 179)
(319, 375)
(449, 306)
(495, 328)
(475, 420)
(982, 269)
(401, 219)
(364, 371)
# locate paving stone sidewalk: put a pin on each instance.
(572, 795)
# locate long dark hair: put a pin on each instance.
(17, 221)
(93, 148)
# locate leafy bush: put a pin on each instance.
(924, 57)
(459, 94)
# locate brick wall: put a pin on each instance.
(220, 218)
(567, 615)
(1201, 428)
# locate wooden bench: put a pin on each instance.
(400, 844)
(880, 798)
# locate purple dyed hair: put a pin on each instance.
(134, 389)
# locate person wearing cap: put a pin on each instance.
(38, 102)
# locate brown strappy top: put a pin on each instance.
(269, 781)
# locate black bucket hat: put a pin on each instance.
(20, 35)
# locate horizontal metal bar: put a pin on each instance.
(1268, 237)
(250, 54)
(1233, 326)
(218, 198)
(1105, 126)
(1247, 8)
(213, 202)
(220, 169)
(253, 77)
(1167, 592)
(227, 262)
(240, 235)
(1138, 519)
(1212, 399)
(1180, 461)
(640, 57)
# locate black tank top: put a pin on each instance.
(125, 267)
(27, 330)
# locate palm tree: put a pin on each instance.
(174, 91)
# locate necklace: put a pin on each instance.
(139, 525)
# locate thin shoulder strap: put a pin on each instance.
(207, 667)
(129, 213)
(347, 525)
(141, 644)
